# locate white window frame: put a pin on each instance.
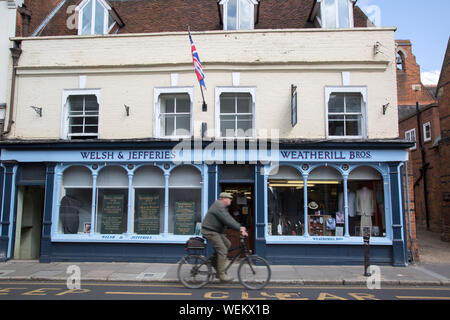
(80, 10)
(219, 91)
(408, 136)
(425, 125)
(348, 89)
(156, 110)
(252, 3)
(65, 108)
(324, 23)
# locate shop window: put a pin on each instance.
(238, 14)
(112, 200)
(185, 206)
(324, 186)
(94, 18)
(366, 202)
(149, 195)
(285, 202)
(346, 112)
(175, 115)
(236, 115)
(336, 13)
(75, 205)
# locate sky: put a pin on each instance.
(425, 22)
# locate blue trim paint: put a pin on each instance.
(46, 246)
(6, 223)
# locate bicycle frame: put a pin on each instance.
(243, 250)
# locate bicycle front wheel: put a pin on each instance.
(254, 272)
(194, 271)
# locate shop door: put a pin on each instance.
(30, 210)
(242, 210)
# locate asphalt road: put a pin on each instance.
(29, 290)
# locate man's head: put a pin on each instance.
(226, 198)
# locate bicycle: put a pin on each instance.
(195, 270)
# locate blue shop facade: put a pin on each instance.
(304, 202)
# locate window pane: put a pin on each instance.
(245, 17)
(167, 104)
(344, 19)
(353, 102)
(227, 126)
(336, 103)
(227, 103)
(325, 185)
(112, 210)
(183, 125)
(244, 126)
(99, 18)
(329, 13)
(87, 17)
(167, 125)
(149, 211)
(184, 210)
(232, 14)
(183, 103)
(336, 125)
(75, 211)
(244, 103)
(353, 125)
(91, 105)
(76, 105)
(366, 202)
(285, 204)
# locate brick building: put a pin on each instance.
(421, 124)
(111, 141)
(443, 94)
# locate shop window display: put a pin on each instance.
(324, 219)
(112, 200)
(149, 195)
(185, 193)
(286, 204)
(366, 202)
(76, 201)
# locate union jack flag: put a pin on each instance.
(197, 64)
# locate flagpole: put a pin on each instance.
(204, 105)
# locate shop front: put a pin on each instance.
(141, 201)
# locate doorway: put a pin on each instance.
(30, 211)
(242, 210)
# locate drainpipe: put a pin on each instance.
(16, 51)
(424, 167)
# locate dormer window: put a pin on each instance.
(334, 13)
(94, 17)
(238, 14)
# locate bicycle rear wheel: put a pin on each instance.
(194, 271)
(254, 272)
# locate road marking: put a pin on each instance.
(152, 293)
(414, 297)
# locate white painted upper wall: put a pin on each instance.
(127, 68)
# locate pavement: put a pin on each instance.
(433, 269)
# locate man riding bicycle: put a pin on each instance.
(213, 229)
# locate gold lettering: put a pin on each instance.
(325, 295)
(216, 295)
(38, 292)
(73, 291)
(363, 296)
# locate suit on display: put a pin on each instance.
(365, 206)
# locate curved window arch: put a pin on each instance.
(112, 200)
(149, 197)
(185, 194)
(400, 59)
(285, 201)
(76, 201)
(366, 207)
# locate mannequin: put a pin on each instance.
(351, 197)
(365, 206)
(69, 214)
